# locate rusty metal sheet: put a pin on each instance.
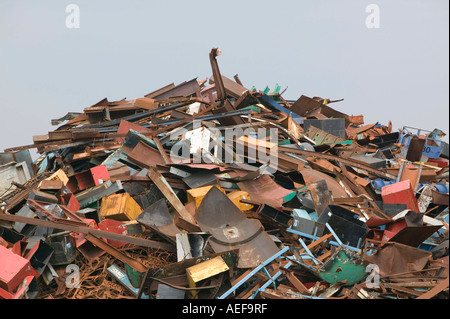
(415, 149)
(264, 190)
(231, 88)
(305, 105)
(160, 91)
(322, 137)
(184, 89)
(124, 128)
(85, 230)
(320, 195)
(394, 258)
(312, 176)
(354, 132)
(200, 179)
(230, 229)
(412, 174)
(157, 217)
(346, 161)
(440, 198)
(414, 235)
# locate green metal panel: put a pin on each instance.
(343, 265)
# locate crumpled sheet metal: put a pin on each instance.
(264, 190)
(312, 176)
(395, 258)
(157, 217)
(351, 169)
(344, 265)
(230, 229)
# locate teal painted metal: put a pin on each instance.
(134, 276)
(344, 265)
(120, 276)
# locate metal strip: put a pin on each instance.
(86, 230)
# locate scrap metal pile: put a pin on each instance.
(209, 189)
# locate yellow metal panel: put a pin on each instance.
(197, 194)
(236, 196)
(205, 270)
(59, 175)
(120, 207)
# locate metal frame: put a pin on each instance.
(337, 241)
(253, 272)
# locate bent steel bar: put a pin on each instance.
(86, 230)
(270, 281)
(334, 243)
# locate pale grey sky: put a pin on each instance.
(126, 49)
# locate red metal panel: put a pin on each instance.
(71, 202)
(99, 174)
(400, 193)
(397, 226)
(125, 126)
(441, 162)
(90, 178)
(23, 288)
(85, 247)
(387, 235)
(84, 180)
(113, 226)
(13, 269)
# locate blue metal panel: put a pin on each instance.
(298, 119)
(429, 151)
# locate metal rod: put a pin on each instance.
(253, 272)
